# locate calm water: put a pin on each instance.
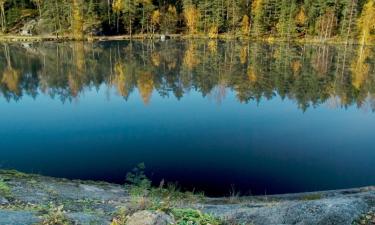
(210, 115)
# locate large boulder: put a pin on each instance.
(149, 218)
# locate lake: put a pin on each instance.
(210, 115)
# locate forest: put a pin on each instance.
(309, 75)
(348, 21)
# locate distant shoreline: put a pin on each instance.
(43, 38)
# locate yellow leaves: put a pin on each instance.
(190, 58)
(145, 84)
(74, 84)
(191, 15)
(118, 6)
(245, 25)
(301, 17)
(172, 10)
(11, 79)
(366, 22)
(79, 57)
(257, 5)
(120, 79)
(296, 66)
(251, 74)
(360, 69)
(243, 55)
(213, 32)
(212, 46)
(155, 59)
(155, 17)
(77, 19)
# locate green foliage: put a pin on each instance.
(5, 190)
(137, 182)
(193, 217)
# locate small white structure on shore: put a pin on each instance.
(27, 28)
(162, 37)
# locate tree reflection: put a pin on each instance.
(309, 75)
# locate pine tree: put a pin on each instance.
(129, 14)
(233, 15)
(348, 20)
(286, 25)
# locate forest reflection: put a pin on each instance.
(310, 75)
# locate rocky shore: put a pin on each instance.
(34, 199)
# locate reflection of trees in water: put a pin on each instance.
(310, 75)
(10, 76)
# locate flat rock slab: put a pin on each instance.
(339, 210)
(8, 217)
(88, 202)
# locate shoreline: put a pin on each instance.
(45, 38)
(29, 199)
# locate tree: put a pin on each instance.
(77, 19)
(258, 14)
(38, 3)
(301, 21)
(2, 15)
(147, 8)
(348, 20)
(129, 14)
(117, 7)
(366, 22)
(169, 19)
(192, 16)
(233, 15)
(245, 25)
(155, 20)
(286, 25)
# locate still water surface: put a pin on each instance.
(208, 115)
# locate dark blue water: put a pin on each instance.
(95, 111)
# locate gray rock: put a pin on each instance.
(3, 201)
(149, 218)
(89, 219)
(340, 211)
(8, 217)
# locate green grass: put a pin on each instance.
(5, 190)
(193, 217)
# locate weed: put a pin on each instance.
(193, 217)
(56, 216)
(164, 197)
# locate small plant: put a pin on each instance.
(5, 190)
(193, 217)
(137, 182)
(164, 197)
(56, 216)
(234, 195)
(120, 217)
